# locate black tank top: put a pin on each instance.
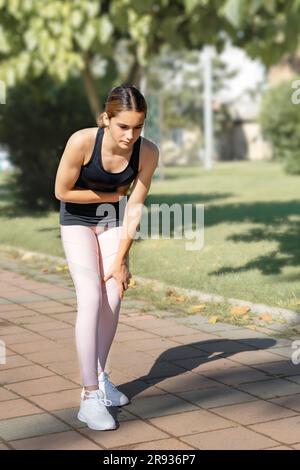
(94, 176)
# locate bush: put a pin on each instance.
(280, 121)
(38, 118)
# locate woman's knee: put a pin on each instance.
(89, 295)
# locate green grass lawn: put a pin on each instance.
(251, 238)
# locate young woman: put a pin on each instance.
(98, 224)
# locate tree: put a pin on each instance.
(75, 36)
(280, 121)
(38, 117)
(267, 30)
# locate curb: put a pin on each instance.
(290, 315)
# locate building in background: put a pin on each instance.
(241, 137)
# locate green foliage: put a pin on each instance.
(35, 124)
(51, 36)
(265, 29)
(280, 120)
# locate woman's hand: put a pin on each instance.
(121, 274)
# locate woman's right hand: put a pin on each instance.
(121, 274)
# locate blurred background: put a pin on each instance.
(218, 77)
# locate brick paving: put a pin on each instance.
(192, 385)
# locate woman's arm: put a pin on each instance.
(68, 172)
(134, 207)
(132, 217)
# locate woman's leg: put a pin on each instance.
(82, 253)
(109, 315)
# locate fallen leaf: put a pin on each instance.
(61, 268)
(44, 270)
(197, 308)
(132, 283)
(239, 310)
(179, 298)
(170, 293)
(266, 317)
(174, 296)
(213, 319)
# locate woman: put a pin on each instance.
(94, 175)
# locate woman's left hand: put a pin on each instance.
(121, 274)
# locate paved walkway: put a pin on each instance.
(193, 385)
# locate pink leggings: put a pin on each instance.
(90, 251)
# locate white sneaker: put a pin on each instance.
(111, 393)
(93, 412)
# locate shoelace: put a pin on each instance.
(96, 396)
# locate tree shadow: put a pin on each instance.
(185, 198)
(13, 209)
(277, 227)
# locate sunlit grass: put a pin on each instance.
(251, 238)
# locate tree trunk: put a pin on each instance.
(90, 87)
(134, 75)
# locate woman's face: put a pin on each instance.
(126, 127)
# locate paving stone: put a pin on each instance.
(19, 407)
(18, 374)
(7, 395)
(14, 361)
(185, 382)
(253, 412)
(279, 448)
(293, 378)
(21, 338)
(195, 338)
(69, 416)
(215, 397)
(58, 400)
(4, 447)
(226, 346)
(194, 382)
(30, 347)
(265, 342)
(69, 440)
(41, 385)
(4, 301)
(59, 296)
(270, 388)
(29, 426)
(131, 432)
(160, 405)
(285, 351)
(255, 357)
(191, 422)
(282, 368)
(242, 333)
(22, 299)
(237, 438)
(178, 352)
(236, 375)
(285, 430)
(291, 402)
(161, 444)
(201, 364)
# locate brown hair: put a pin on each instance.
(123, 98)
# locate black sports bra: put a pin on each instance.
(94, 176)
